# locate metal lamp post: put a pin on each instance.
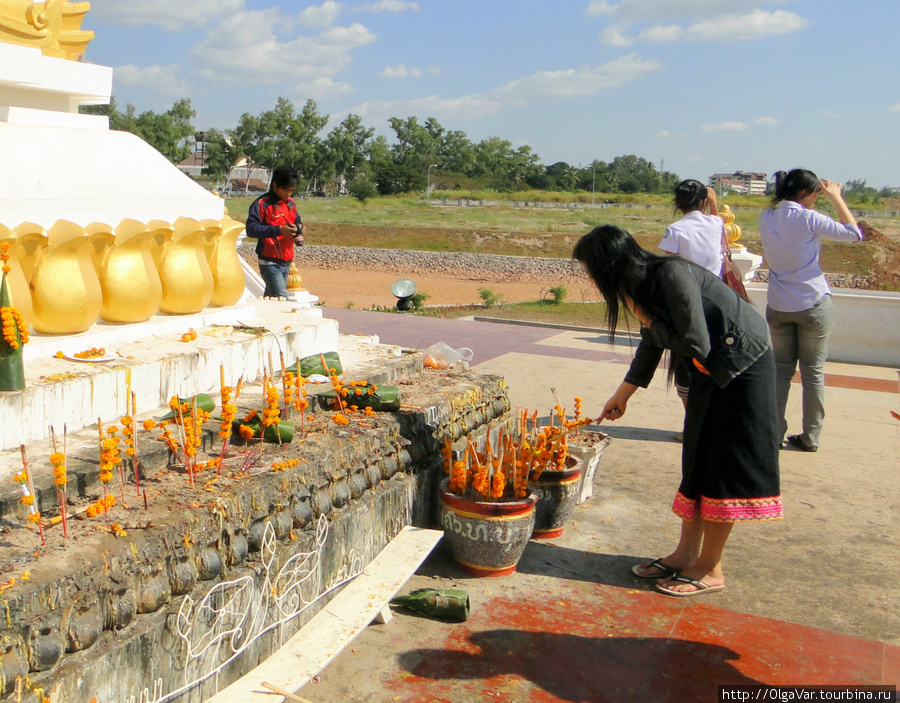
(428, 186)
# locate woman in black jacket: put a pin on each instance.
(731, 435)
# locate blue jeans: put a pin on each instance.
(802, 337)
(275, 275)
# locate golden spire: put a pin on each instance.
(53, 26)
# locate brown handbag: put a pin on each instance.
(731, 274)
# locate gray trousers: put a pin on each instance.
(802, 337)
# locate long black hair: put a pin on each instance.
(621, 268)
(795, 184)
(689, 195)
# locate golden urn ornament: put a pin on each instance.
(22, 252)
(65, 290)
(132, 290)
(224, 263)
(187, 281)
(732, 231)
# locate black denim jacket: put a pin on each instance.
(710, 323)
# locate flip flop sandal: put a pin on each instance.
(702, 588)
(667, 571)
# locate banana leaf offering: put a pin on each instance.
(383, 398)
(284, 431)
(310, 365)
(12, 372)
(204, 402)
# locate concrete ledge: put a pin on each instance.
(124, 618)
(866, 329)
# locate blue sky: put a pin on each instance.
(701, 85)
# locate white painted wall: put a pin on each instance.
(866, 329)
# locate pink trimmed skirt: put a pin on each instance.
(729, 462)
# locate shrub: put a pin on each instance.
(418, 300)
(489, 297)
(558, 294)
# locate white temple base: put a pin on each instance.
(74, 394)
(747, 263)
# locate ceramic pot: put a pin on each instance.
(486, 539)
(588, 445)
(557, 495)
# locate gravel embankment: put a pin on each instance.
(450, 264)
(471, 266)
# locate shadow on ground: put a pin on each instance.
(595, 669)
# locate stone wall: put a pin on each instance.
(124, 618)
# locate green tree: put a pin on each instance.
(170, 133)
(282, 136)
(219, 153)
(347, 146)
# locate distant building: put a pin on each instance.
(739, 182)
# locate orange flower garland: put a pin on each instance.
(12, 323)
(109, 454)
(101, 506)
(58, 459)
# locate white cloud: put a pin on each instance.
(755, 25)
(244, 47)
(160, 81)
(831, 115)
(600, 7)
(320, 89)
(729, 126)
(401, 71)
(767, 121)
(894, 108)
(172, 15)
(388, 6)
(434, 70)
(319, 16)
(692, 20)
(614, 36)
(545, 85)
(574, 82)
(660, 10)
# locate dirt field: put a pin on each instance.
(367, 288)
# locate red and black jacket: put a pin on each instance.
(267, 214)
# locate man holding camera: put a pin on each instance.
(273, 220)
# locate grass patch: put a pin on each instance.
(502, 228)
(592, 315)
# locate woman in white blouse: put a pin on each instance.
(799, 311)
(696, 237)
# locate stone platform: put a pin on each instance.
(74, 394)
(188, 585)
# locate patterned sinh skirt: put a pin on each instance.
(729, 464)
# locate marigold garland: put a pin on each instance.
(58, 459)
(101, 506)
(13, 323)
(287, 464)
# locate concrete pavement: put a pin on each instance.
(810, 599)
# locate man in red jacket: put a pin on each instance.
(274, 222)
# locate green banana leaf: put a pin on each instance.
(12, 372)
(310, 365)
(285, 429)
(204, 402)
(385, 398)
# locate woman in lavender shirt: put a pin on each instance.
(799, 311)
